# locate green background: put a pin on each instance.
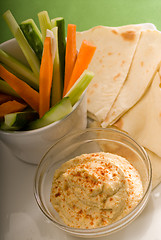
(84, 13)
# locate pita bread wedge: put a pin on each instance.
(143, 121)
(145, 64)
(111, 62)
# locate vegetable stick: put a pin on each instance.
(28, 94)
(23, 43)
(57, 112)
(6, 89)
(84, 57)
(33, 36)
(71, 54)
(57, 86)
(45, 78)
(19, 69)
(5, 98)
(11, 107)
(79, 86)
(50, 34)
(18, 120)
(44, 22)
(60, 23)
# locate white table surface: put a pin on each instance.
(21, 219)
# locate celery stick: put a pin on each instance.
(22, 70)
(5, 88)
(50, 34)
(59, 22)
(79, 86)
(33, 36)
(57, 112)
(57, 88)
(44, 22)
(24, 45)
(53, 23)
(18, 120)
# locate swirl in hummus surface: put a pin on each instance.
(94, 190)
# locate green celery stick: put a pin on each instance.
(33, 36)
(44, 22)
(79, 86)
(60, 23)
(5, 88)
(57, 112)
(24, 45)
(57, 88)
(53, 23)
(19, 68)
(18, 120)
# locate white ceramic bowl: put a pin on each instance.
(30, 146)
(89, 141)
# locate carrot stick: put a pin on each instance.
(28, 94)
(71, 54)
(11, 107)
(84, 57)
(45, 78)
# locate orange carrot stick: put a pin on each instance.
(28, 94)
(84, 57)
(45, 78)
(71, 54)
(11, 107)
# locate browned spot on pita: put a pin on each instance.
(160, 81)
(114, 31)
(88, 100)
(95, 85)
(119, 54)
(142, 63)
(116, 76)
(110, 53)
(160, 114)
(119, 123)
(122, 63)
(90, 92)
(100, 60)
(128, 35)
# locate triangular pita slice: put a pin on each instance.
(145, 64)
(111, 62)
(143, 121)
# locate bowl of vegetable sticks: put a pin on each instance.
(43, 81)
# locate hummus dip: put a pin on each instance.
(94, 190)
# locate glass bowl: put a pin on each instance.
(88, 141)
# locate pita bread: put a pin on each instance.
(143, 121)
(111, 62)
(145, 64)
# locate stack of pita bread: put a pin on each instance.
(126, 89)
